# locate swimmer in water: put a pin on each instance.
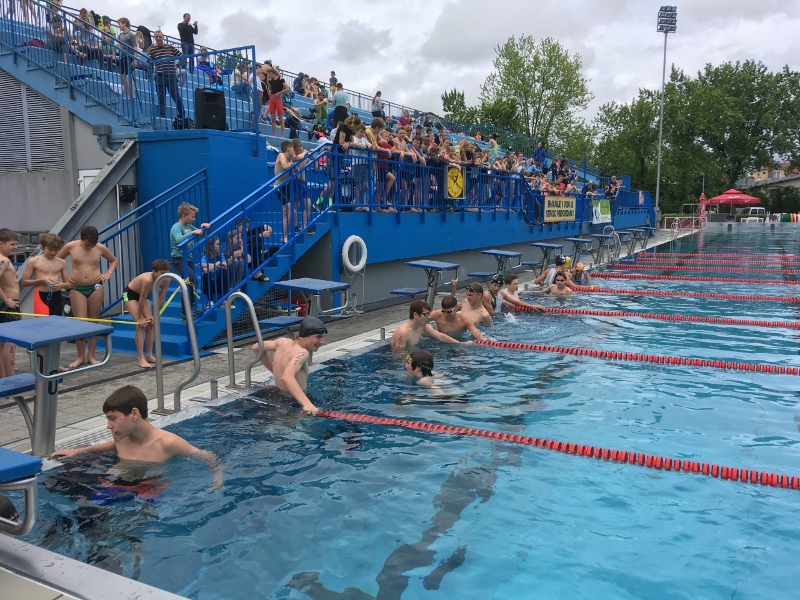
(410, 332)
(546, 278)
(558, 287)
(509, 295)
(419, 364)
(289, 365)
(449, 321)
(135, 439)
(580, 276)
(473, 307)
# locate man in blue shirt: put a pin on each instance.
(539, 156)
(340, 100)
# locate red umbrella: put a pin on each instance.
(734, 197)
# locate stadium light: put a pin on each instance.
(666, 23)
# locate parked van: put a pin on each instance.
(751, 213)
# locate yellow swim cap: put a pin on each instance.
(569, 262)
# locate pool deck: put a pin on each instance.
(37, 574)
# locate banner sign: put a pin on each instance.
(601, 211)
(559, 208)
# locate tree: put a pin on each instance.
(545, 82)
(501, 113)
(456, 109)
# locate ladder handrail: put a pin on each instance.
(187, 309)
(229, 331)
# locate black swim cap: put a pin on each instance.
(312, 326)
(560, 260)
(498, 279)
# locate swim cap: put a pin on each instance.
(498, 279)
(311, 326)
(560, 260)
(579, 266)
(569, 261)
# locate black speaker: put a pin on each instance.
(209, 109)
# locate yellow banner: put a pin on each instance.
(559, 208)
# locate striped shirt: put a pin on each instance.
(156, 52)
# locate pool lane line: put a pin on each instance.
(744, 270)
(651, 358)
(663, 317)
(704, 295)
(710, 261)
(716, 255)
(614, 275)
(649, 461)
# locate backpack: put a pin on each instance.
(182, 123)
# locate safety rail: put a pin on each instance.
(229, 331)
(123, 236)
(186, 303)
(614, 248)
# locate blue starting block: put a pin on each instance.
(502, 257)
(282, 322)
(408, 291)
(547, 250)
(433, 270)
(18, 472)
(14, 387)
(311, 289)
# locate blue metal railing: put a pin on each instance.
(123, 237)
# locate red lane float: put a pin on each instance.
(640, 459)
(713, 269)
(649, 259)
(662, 317)
(713, 255)
(651, 358)
(612, 275)
(704, 295)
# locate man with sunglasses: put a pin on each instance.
(410, 332)
(449, 321)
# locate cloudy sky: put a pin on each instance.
(416, 49)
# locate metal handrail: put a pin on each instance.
(187, 310)
(229, 331)
(30, 485)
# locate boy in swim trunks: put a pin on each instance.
(472, 308)
(301, 195)
(509, 295)
(449, 320)
(135, 439)
(289, 364)
(137, 304)
(410, 332)
(559, 287)
(87, 282)
(283, 164)
(48, 275)
(9, 297)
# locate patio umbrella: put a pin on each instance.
(736, 198)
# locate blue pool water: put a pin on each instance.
(316, 508)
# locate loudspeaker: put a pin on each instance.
(209, 109)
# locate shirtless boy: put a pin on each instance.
(546, 278)
(289, 365)
(559, 287)
(448, 320)
(87, 282)
(48, 275)
(138, 305)
(135, 439)
(473, 307)
(302, 196)
(9, 297)
(283, 164)
(509, 295)
(410, 332)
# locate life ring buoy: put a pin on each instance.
(348, 243)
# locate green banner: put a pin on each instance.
(601, 211)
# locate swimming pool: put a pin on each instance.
(318, 508)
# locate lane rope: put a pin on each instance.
(691, 267)
(630, 457)
(664, 317)
(714, 255)
(704, 295)
(614, 275)
(651, 358)
(710, 261)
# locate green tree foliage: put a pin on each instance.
(544, 80)
(502, 113)
(456, 109)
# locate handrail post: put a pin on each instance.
(187, 309)
(229, 328)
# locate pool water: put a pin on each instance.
(318, 508)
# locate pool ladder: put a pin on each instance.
(614, 247)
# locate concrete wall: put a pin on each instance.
(38, 199)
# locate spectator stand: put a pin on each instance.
(547, 251)
(433, 270)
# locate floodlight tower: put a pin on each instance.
(667, 23)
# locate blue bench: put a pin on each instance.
(409, 291)
(18, 472)
(14, 387)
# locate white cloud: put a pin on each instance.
(358, 43)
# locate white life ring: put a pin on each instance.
(348, 243)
